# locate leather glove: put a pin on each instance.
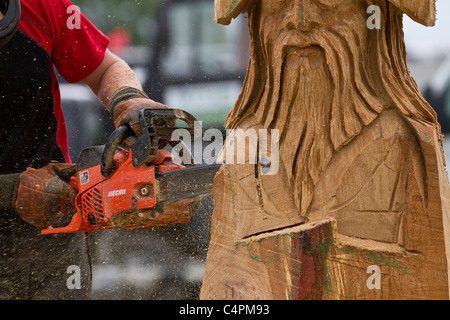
(126, 104)
(44, 195)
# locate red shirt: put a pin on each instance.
(76, 50)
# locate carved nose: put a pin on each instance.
(296, 18)
(302, 16)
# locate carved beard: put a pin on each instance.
(319, 88)
(301, 111)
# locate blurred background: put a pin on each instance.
(185, 60)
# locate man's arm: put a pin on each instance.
(117, 87)
(112, 74)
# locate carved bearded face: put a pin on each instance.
(365, 65)
(319, 75)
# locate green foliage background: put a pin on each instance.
(136, 15)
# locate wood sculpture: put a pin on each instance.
(358, 205)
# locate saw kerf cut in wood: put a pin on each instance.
(359, 206)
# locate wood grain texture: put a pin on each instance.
(226, 10)
(361, 169)
(422, 11)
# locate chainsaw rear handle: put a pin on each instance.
(155, 125)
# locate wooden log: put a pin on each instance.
(410, 252)
(360, 169)
(312, 261)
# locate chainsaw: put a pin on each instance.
(133, 182)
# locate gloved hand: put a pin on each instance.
(44, 195)
(126, 104)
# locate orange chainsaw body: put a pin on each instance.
(128, 199)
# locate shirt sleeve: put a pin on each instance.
(78, 47)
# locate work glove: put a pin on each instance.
(126, 104)
(44, 195)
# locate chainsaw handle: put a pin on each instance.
(108, 164)
(155, 125)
